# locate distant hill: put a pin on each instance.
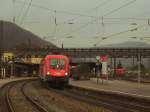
(17, 37)
(128, 44)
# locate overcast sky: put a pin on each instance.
(81, 23)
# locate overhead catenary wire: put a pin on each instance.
(85, 25)
(128, 3)
(113, 12)
(53, 10)
(95, 8)
(25, 14)
(101, 4)
(73, 13)
(80, 23)
(13, 18)
(104, 18)
(100, 18)
(65, 12)
(21, 10)
(122, 32)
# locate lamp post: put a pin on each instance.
(11, 68)
(139, 68)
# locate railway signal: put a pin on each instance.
(104, 73)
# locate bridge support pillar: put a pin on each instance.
(114, 66)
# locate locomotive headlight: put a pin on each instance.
(66, 73)
(48, 73)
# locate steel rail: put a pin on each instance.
(124, 102)
(5, 98)
(5, 90)
(8, 100)
(93, 101)
(34, 103)
(116, 103)
(135, 81)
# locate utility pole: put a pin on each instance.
(139, 68)
(1, 48)
(62, 45)
(114, 66)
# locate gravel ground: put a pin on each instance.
(19, 101)
(56, 102)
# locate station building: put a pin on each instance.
(7, 56)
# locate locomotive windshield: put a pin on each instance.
(57, 64)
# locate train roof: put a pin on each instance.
(56, 56)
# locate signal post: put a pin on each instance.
(104, 72)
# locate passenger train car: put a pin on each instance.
(55, 69)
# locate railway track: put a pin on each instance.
(6, 104)
(113, 101)
(116, 103)
(136, 81)
(8, 100)
(34, 103)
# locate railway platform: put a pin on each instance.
(7, 80)
(120, 87)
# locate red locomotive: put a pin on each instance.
(55, 69)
